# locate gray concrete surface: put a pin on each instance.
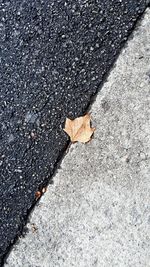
(97, 211)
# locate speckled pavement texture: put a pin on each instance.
(97, 212)
(54, 55)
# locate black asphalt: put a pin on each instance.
(53, 57)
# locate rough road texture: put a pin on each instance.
(97, 212)
(53, 57)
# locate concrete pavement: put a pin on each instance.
(97, 211)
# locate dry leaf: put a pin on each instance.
(79, 129)
(37, 195)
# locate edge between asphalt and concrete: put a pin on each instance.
(97, 212)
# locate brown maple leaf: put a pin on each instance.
(79, 129)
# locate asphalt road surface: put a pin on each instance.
(53, 58)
